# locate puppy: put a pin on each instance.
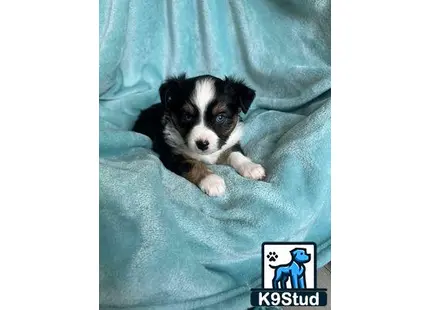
(198, 123)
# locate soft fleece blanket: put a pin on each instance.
(163, 243)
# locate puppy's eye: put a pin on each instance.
(168, 98)
(186, 117)
(220, 118)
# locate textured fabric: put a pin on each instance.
(163, 243)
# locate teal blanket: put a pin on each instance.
(163, 243)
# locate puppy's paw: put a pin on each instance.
(213, 185)
(252, 171)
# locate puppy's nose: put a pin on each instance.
(202, 144)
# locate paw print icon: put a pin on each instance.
(272, 256)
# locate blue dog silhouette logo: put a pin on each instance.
(289, 265)
(289, 276)
(295, 270)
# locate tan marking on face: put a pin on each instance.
(197, 172)
(220, 107)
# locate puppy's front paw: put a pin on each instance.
(252, 171)
(213, 185)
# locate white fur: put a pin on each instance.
(213, 185)
(175, 140)
(202, 95)
(245, 166)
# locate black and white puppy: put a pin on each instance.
(198, 123)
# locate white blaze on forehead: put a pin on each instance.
(203, 94)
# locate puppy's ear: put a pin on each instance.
(243, 94)
(170, 88)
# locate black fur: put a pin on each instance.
(150, 124)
